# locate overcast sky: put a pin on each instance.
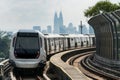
(20, 14)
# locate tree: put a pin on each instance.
(101, 6)
(4, 44)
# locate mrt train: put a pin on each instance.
(30, 49)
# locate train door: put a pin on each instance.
(63, 40)
(65, 43)
(93, 41)
(76, 42)
(57, 44)
(61, 44)
(68, 39)
(81, 41)
(72, 42)
(87, 41)
(52, 45)
(49, 45)
(45, 43)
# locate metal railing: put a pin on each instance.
(4, 68)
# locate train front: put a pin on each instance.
(27, 50)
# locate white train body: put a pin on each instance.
(27, 49)
(30, 49)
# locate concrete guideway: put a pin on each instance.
(72, 72)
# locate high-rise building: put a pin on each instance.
(80, 28)
(44, 31)
(91, 31)
(58, 23)
(37, 28)
(84, 29)
(61, 23)
(49, 29)
(70, 29)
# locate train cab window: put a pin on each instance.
(24, 40)
(27, 43)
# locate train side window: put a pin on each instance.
(40, 42)
(52, 43)
(13, 43)
(71, 39)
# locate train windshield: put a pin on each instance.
(27, 45)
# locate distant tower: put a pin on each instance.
(61, 23)
(60, 19)
(56, 23)
(80, 27)
(37, 28)
(49, 29)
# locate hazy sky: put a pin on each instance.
(20, 14)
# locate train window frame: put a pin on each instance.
(71, 39)
(13, 43)
(40, 42)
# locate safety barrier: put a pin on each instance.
(107, 31)
(4, 68)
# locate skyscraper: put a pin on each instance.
(49, 29)
(58, 23)
(37, 28)
(70, 29)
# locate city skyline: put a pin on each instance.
(59, 28)
(19, 14)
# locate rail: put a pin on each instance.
(65, 71)
(100, 70)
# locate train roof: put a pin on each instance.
(76, 35)
(52, 35)
(92, 35)
(67, 35)
(28, 31)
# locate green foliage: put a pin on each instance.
(101, 6)
(4, 44)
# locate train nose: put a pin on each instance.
(26, 63)
(38, 54)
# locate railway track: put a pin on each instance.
(25, 75)
(98, 69)
(90, 69)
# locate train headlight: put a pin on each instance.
(38, 54)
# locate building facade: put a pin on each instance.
(37, 28)
(49, 29)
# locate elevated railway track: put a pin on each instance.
(63, 62)
(25, 75)
(91, 69)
